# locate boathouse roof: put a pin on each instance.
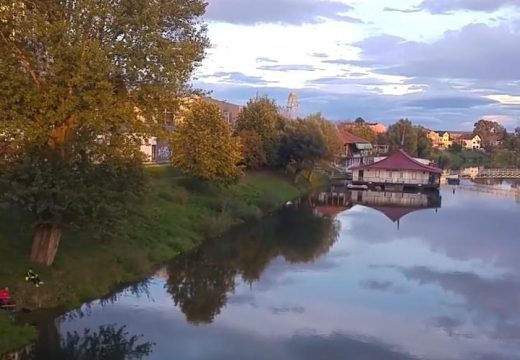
(399, 161)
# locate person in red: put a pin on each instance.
(5, 297)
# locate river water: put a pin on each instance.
(359, 275)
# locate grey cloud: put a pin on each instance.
(444, 6)
(240, 78)
(287, 309)
(265, 59)
(372, 107)
(452, 102)
(287, 68)
(384, 286)
(333, 80)
(406, 11)
(489, 297)
(278, 11)
(319, 55)
(448, 324)
(338, 62)
(457, 55)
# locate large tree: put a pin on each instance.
(490, 132)
(329, 132)
(301, 146)
(260, 115)
(204, 145)
(82, 82)
(402, 135)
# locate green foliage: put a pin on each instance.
(330, 134)
(14, 336)
(364, 131)
(81, 83)
(490, 133)
(302, 145)
(260, 115)
(412, 139)
(253, 149)
(204, 146)
(459, 160)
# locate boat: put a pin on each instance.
(453, 179)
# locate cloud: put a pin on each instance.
(495, 298)
(451, 102)
(338, 62)
(239, 78)
(444, 6)
(287, 68)
(319, 55)
(296, 12)
(457, 55)
(406, 11)
(383, 286)
(265, 59)
(287, 310)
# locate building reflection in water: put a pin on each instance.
(394, 205)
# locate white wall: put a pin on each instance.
(146, 147)
(394, 177)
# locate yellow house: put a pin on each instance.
(445, 140)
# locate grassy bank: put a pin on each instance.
(177, 214)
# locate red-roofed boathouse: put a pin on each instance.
(398, 171)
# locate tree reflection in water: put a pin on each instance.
(107, 343)
(201, 281)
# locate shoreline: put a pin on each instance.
(177, 215)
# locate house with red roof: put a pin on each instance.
(398, 170)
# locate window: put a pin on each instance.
(401, 174)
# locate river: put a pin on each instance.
(362, 276)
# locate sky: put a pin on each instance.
(443, 64)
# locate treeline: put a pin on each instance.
(205, 146)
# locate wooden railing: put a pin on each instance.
(499, 173)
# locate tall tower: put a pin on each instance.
(293, 107)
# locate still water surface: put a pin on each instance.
(364, 277)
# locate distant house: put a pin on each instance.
(399, 170)
(357, 151)
(470, 142)
(230, 111)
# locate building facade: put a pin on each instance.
(397, 170)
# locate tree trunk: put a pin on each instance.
(46, 240)
(309, 177)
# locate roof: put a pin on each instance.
(349, 138)
(330, 211)
(394, 213)
(399, 160)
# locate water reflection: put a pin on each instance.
(107, 342)
(333, 277)
(200, 282)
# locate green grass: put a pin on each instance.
(14, 337)
(176, 214)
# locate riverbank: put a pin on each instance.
(176, 215)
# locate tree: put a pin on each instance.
(301, 146)
(261, 116)
(81, 83)
(204, 146)
(365, 132)
(402, 135)
(490, 133)
(329, 132)
(359, 120)
(252, 149)
(424, 143)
